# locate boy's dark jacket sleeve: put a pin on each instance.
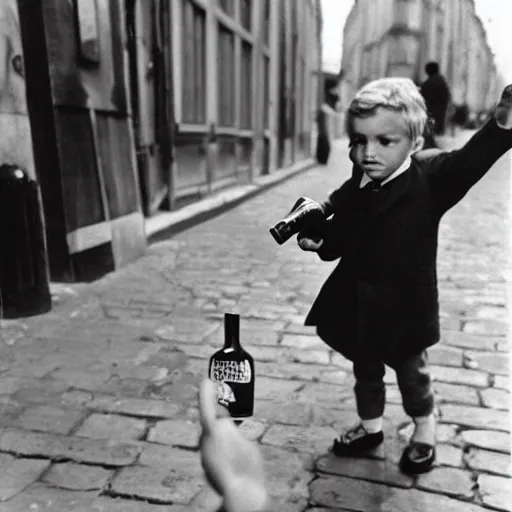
(338, 197)
(451, 174)
(335, 204)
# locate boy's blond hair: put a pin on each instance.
(398, 94)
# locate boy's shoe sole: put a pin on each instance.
(417, 458)
(358, 445)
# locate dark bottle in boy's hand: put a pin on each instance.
(232, 369)
(306, 214)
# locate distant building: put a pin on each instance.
(140, 106)
(331, 89)
(398, 37)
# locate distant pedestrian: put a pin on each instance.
(437, 96)
(380, 304)
(323, 145)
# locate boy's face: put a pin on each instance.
(381, 142)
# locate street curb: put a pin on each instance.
(167, 224)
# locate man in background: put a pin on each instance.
(437, 96)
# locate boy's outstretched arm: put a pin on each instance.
(452, 174)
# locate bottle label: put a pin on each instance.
(225, 394)
(231, 371)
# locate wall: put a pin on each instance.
(82, 135)
(398, 37)
(244, 80)
(139, 106)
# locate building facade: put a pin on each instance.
(143, 106)
(398, 37)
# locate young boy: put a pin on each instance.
(380, 305)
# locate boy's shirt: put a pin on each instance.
(403, 168)
(329, 204)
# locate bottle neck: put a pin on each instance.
(232, 331)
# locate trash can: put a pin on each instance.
(24, 279)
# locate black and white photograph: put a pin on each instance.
(255, 255)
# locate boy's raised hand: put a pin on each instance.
(503, 112)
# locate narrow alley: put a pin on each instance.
(98, 398)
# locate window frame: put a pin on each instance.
(197, 72)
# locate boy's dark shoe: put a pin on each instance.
(356, 441)
(417, 458)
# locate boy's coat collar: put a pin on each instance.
(394, 190)
(405, 165)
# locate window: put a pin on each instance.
(266, 99)
(194, 64)
(245, 14)
(366, 59)
(246, 86)
(226, 81)
(439, 38)
(301, 97)
(88, 30)
(266, 22)
(228, 6)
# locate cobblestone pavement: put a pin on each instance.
(98, 397)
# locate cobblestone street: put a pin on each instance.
(98, 397)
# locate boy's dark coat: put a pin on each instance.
(382, 297)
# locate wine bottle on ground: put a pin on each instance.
(232, 369)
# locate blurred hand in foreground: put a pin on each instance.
(233, 464)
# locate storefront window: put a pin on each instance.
(194, 64)
(228, 6)
(246, 86)
(226, 76)
(89, 46)
(245, 14)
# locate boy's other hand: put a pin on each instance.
(307, 243)
(503, 113)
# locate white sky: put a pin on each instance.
(496, 16)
